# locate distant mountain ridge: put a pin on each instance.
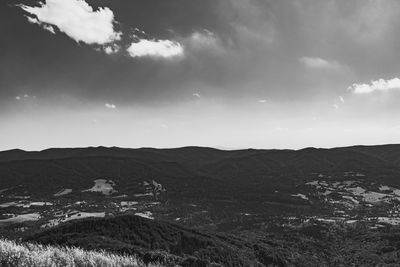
(384, 151)
(249, 168)
(197, 186)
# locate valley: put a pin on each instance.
(251, 194)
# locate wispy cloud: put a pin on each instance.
(378, 85)
(24, 97)
(262, 101)
(111, 106)
(204, 40)
(46, 27)
(197, 95)
(319, 63)
(341, 98)
(77, 19)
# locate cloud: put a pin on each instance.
(262, 101)
(49, 28)
(319, 63)
(378, 85)
(197, 95)
(337, 105)
(46, 27)
(111, 49)
(77, 19)
(371, 20)
(254, 23)
(155, 48)
(24, 97)
(204, 40)
(111, 106)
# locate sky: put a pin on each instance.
(221, 73)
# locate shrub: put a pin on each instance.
(34, 255)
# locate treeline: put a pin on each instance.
(313, 243)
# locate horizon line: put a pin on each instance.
(221, 148)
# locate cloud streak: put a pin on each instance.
(378, 85)
(24, 97)
(319, 63)
(110, 106)
(155, 49)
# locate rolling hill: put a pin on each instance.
(211, 200)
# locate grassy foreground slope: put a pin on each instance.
(33, 255)
(150, 240)
(311, 243)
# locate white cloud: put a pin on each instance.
(378, 85)
(319, 63)
(111, 106)
(155, 48)
(46, 27)
(197, 95)
(49, 28)
(262, 101)
(335, 106)
(111, 49)
(341, 98)
(77, 19)
(139, 30)
(32, 20)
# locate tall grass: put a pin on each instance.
(33, 255)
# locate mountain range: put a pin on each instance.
(204, 205)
